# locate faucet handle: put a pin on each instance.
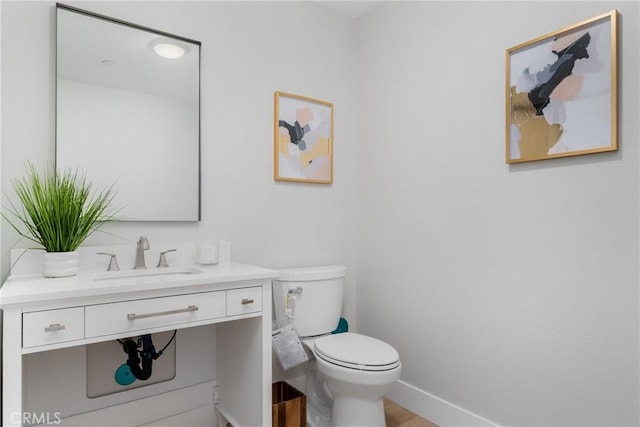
(113, 261)
(162, 262)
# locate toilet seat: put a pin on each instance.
(358, 352)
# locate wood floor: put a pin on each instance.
(396, 416)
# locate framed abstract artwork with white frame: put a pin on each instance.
(303, 139)
(562, 92)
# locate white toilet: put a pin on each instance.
(355, 369)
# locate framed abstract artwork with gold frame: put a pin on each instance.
(562, 92)
(303, 139)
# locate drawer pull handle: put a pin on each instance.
(55, 327)
(133, 316)
(247, 301)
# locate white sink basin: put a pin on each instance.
(156, 272)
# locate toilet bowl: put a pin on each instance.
(358, 371)
(355, 371)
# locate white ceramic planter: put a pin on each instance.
(60, 264)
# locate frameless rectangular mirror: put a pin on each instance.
(128, 113)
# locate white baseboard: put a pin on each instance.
(433, 408)
(150, 409)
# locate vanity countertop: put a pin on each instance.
(28, 289)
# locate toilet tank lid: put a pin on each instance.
(312, 273)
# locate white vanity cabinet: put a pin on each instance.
(41, 315)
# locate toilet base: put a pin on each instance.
(353, 412)
(317, 419)
(319, 403)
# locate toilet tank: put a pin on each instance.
(318, 304)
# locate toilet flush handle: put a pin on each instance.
(290, 306)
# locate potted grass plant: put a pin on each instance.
(59, 211)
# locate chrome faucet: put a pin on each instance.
(143, 245)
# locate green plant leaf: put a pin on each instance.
(60, 209)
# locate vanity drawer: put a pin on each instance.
(136, 315)
(52, 326)
(244, 300)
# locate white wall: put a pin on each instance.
(509, 291)
(249, 50)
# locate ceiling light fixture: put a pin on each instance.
(169, 48)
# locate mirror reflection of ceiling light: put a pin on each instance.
(169, 48)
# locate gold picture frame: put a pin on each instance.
(562, 92)
(303, 139)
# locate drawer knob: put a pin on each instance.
(133, 316)
(246, 301)
(55, 327)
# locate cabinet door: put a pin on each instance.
(52, 326)
(136, 315)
